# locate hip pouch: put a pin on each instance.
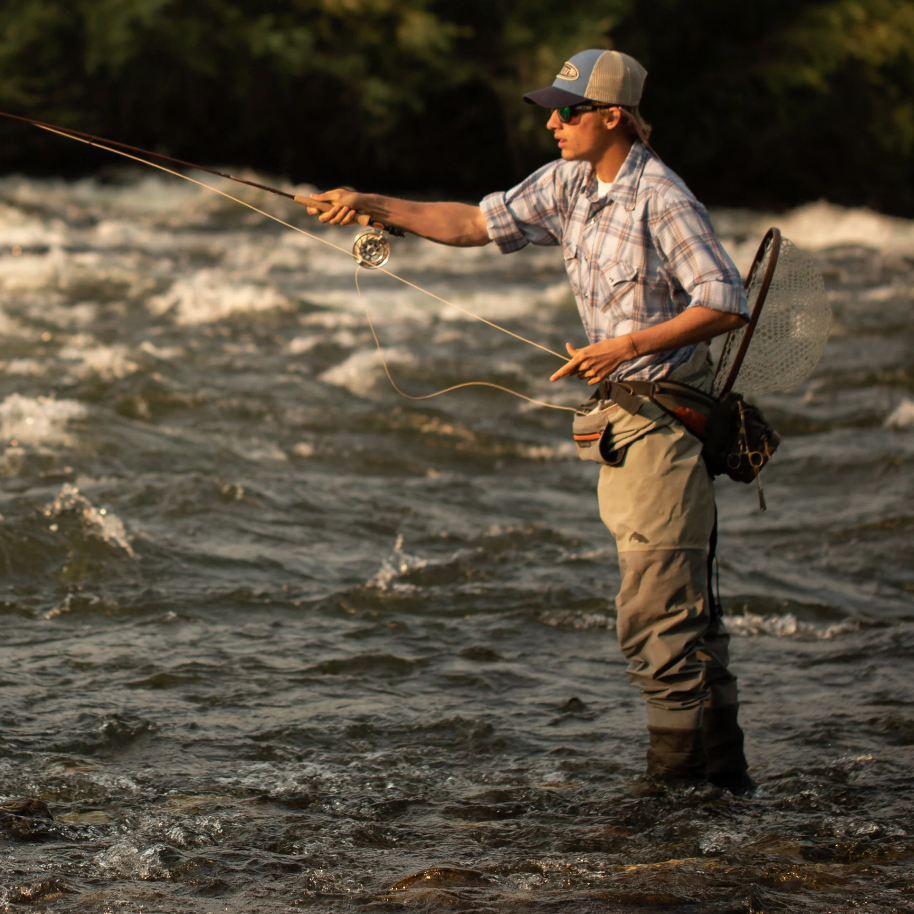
(592, 430)
(737, 440)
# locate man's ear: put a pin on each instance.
(612, 119)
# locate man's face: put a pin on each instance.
(586, 136)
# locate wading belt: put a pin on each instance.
(691, 406)
(736, 438)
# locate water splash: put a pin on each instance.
(98, 522)
(751, 624)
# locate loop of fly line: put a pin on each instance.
(342, 250)
(445, 390)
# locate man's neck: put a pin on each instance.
(608, 165)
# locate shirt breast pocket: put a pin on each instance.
(618, 280)
(573, 269)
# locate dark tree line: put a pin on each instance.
(755, 102)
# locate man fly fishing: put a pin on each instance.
(653, 285)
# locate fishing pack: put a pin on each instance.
(737, 440)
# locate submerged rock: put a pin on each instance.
(153, 863)
(43, 890)
(25, 819)
(441, 877)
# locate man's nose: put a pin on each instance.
(553, 123)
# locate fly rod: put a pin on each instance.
(91, 140)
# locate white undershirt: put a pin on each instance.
(536, 234)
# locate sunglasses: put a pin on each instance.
(571, 111)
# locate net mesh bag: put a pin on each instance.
(791, 331)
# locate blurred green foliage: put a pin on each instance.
(755, 102)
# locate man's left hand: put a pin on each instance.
(596, 361)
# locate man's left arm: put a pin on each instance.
(686, 240)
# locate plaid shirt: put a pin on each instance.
(636, 257)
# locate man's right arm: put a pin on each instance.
(457, 224)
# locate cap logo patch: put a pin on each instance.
(569, 71)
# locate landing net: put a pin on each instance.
(785, 343)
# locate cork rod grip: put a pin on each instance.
(362, 218)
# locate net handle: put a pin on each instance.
(773, 239)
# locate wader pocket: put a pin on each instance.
(592, 430)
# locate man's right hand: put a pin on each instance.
(344, 206)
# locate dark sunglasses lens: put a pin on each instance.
(564, 114)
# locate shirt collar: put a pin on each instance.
(624, 189)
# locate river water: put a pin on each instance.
(277, 639)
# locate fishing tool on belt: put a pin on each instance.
(779, 347)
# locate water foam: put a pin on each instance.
(506, 302)
(68, 316)
(89, 357)
(395, 566)
(332, 320)
(345, 339)
(578, 619)
(31, 272)
(360, 372)
(162, 353)
(10, 328)
(94, 521)
(207, 297)
(813, 226)
(128, 860)
(38, 421)
(560, 452)
(824, 225)
(902, 416)
(30, 368)
(786, 626)
(259, 451)
(19, 228)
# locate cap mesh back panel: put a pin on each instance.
(791, 331)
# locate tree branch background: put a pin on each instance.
(762, 103)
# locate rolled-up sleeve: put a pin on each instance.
(686, 240)
(525, 214)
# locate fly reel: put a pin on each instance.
(371, 248)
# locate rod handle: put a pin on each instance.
(324, 207)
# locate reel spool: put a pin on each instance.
(371, 248)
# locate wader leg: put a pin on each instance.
(723, 738)
(658, 503)
(663, 615)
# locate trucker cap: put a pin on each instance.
(608, 77)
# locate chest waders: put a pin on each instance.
(787, 339)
